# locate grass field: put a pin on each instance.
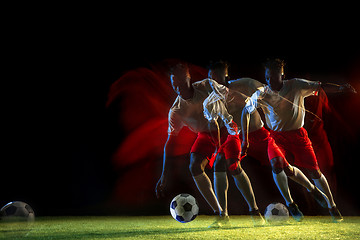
(164, 227)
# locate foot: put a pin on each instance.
(257, 218)
(319, 196)
(295, 212)
(220, 222)
(335, 214)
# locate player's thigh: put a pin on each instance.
(220, 163)
(232, 147)
(203, 146)
(305, 158)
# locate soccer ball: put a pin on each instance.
(184, 208)
(276, 212)
(17, 211)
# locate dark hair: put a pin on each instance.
(219, 65)
(274, 63)
(177, 66)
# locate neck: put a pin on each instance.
(187, 93)
(276, 86)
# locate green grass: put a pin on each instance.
(164, 227)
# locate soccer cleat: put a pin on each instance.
(295, 212)
(257, 218)
(320, 197)
(335, 214)
(221, 222)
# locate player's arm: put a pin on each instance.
(167, 161)
(309, 88)
(250, 107)
(214, 106)
(336, 88)
(245, 119)
(175, 125)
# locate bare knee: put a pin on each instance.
(234, 166)
(289, 170)
(315, 174)
(197, 164)
(277, 164)
(220, 163)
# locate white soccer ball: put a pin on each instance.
(17, 211)
(184, 208)
(276, 212)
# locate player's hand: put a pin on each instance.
(160, 188)
(244, 148)
(347, 88)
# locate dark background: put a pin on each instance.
(58, 137)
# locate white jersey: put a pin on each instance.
(228, 103)
(190, 112)
(284, 110)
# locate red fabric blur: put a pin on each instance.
(141, 99)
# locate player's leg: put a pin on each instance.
(305, 157)
(203, 183)
(298, 176)
(321, 182)
(281, 182)
(232, 149)
(278, 164)
(243, 183)
(280, 178)
(221, 184)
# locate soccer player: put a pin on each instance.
(219, 72)
(235, 98)
(283, 105)
(187, 110)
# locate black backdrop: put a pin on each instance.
(58, 137)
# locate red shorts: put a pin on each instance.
(295, 146)
(206, 144)
(258, 145)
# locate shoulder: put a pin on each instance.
(302, 82)
(249, 82)
(297, 81)
(203, 82)
(204, 85)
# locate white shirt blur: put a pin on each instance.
(190, 112)
(228, 103)
(284, 110)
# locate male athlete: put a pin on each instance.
(187, 110)
(258, 136)
(283, 105)
(219, 72)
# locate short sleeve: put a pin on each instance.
(214, 108)
(219, 89)
(253, 101)
(175, 123)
